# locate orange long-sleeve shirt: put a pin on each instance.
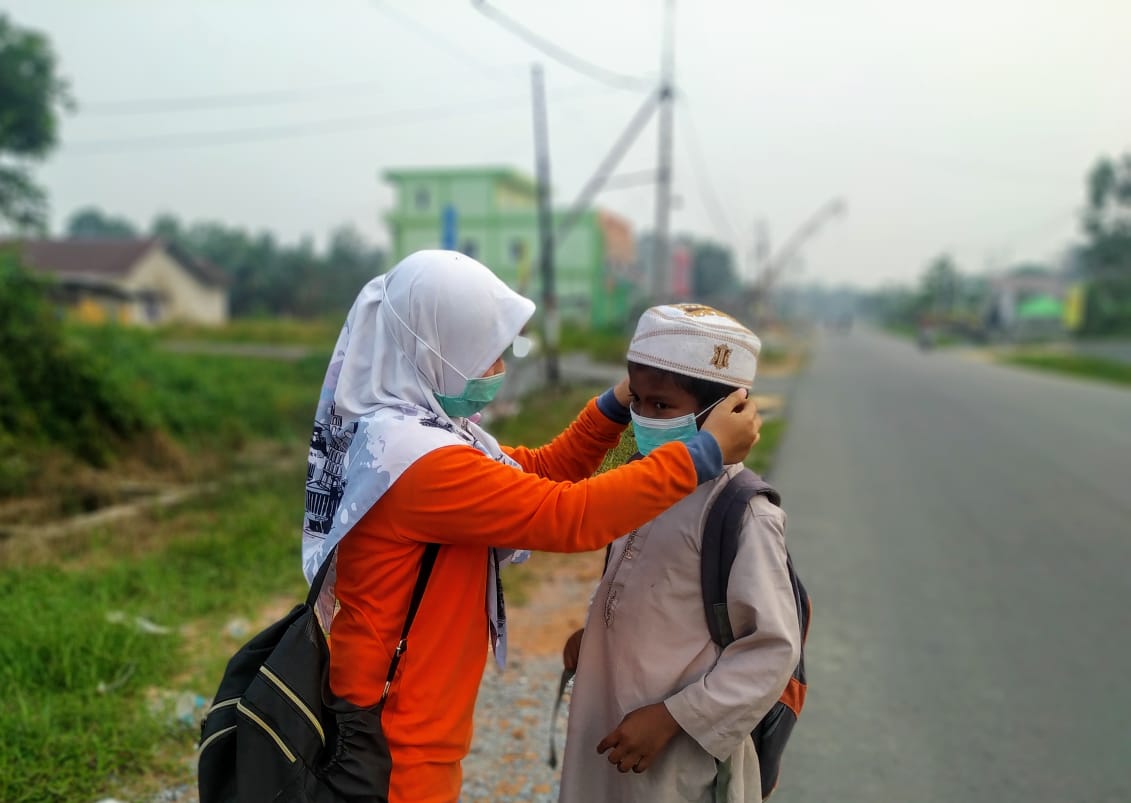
(459, 497)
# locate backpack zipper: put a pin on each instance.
(222, 704)
(215, 736)
(247, 712)
(294, 698)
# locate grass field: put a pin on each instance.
(84, 708)
(197, 415)
(321, 333)
(1096, 368)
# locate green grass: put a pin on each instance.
(66, 740)
(201, 404)
(761, 458)
(210, 400)
(1096, 368)
(321, 332)
(543, 415)
(601, 346)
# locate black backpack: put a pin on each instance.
(720, 545)
(274, 732)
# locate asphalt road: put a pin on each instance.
(965, 532)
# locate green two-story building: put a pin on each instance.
(491, 214)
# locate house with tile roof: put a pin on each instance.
(144, 282)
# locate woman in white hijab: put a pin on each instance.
(396, 463)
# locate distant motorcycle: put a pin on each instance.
(926, 339)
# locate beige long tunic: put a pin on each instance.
(646, 640)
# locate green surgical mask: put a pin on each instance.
(476, 395)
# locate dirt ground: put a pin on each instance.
(557, 599)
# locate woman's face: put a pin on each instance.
(498, 368)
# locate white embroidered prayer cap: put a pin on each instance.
(696, 340)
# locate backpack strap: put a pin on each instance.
(720, 546)
(426, 564)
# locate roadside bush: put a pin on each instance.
(54, 391)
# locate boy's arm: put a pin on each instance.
(578, 451)
(720, 709)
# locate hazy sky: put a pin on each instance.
(960, 126)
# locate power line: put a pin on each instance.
(714, 207)
(235, 136)
(633, 178)
(272, 97)
(221, 101)
(249, 99)
(560, 54)
(433, 38)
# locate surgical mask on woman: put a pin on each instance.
(652, 433)
(476, 394)
(478, 391)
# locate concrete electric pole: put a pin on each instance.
(551, 327)
(661, 253)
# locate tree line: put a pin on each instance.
(1100, 262)
(268, 278)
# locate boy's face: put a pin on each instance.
(656, 395)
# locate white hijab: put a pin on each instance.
(411, 333)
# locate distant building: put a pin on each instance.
(131, 281)
(1030, 306)
(491, 214)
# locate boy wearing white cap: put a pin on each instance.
(659, 712)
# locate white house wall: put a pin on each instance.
(184, 297)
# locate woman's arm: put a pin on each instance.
(578, 451)
(457, 495)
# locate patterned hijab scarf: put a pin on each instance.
(411, 333)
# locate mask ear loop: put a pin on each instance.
(424, 343)
(707, 409)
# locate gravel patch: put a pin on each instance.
(507, 762)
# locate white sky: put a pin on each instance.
(961, 126)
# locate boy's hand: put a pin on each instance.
(734, 423)
(640, 737)
(572, 650)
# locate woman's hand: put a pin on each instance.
(734, 423)
(639, 738)
(621, 392)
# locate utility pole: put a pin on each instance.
(776, 264)
(661, 252)
(551, 328)
(604, 170)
